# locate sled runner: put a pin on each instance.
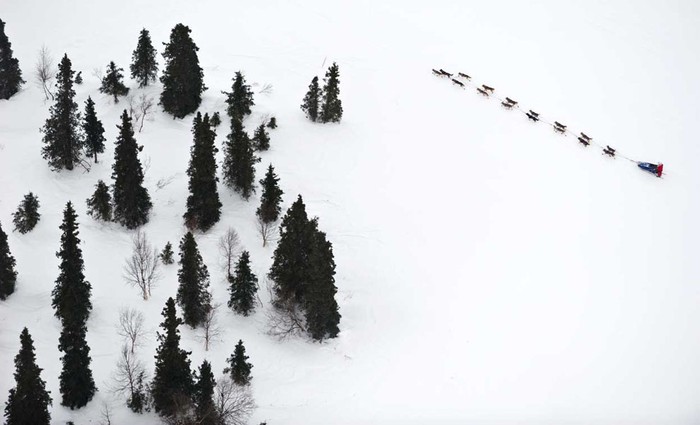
(657, 169)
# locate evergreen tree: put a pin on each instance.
(244, 285)
(238, 366)
(173, 381)
(27, 214)
(71, 295)
(79, 78)
(100, 203)
(203, 205)
(261, 138)
(8, 275)
(28, 402)
(205, 409)
(269, 210)
(332, 109)
(182, 79)
(239, 161)
(290, 268)
(311, 100)
(215, 120)
(166, 257)
(273, 123)
(93, 131)
(132, 203)
(138, 399)
(76, 382)
(10, 74)
(192, 294)
(321, 309)
(144, 67)
(240, 99)
(113, 82)
(62, 138)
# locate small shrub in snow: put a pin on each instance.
(27, 214)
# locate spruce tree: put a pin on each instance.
(79, 78)
(10, 74)
(203, 205)
(238, 366)
(71, 295)
(144, 67)
(261, 138)
(166, 257)
(244, 285)
(138, 399)
(332, 108)
(311, 100)
(62, 136)
(240, 99)
(192, 294)
(321, 309)
(290, 268)
(269, 209)
(239, 161)
(132, 203)
(8, 275)
(215, 120)
(113, 82)
(93, 130)
(182, 79)
(76, 382)
(172, 382)
(28, 402)
(205, 409)
(100, 203)
(27, 215)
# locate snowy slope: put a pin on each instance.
(489, 270)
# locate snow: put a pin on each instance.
(489, 270)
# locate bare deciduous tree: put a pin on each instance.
(131, 327)
(234, 403)
(129, 378)
(266, 230)
(229, 245)
(140, 108)
(141, 269)
(284, 319)
(211, 329)
(106, 414)
(44, 71)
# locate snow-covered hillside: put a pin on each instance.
(489, 270)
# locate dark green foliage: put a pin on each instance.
(132, 203)
(76, 382)
(182, 79)
(79, 78)
(8, 275)
(311, 100)
(27, 214)
(269, 209)
(100, 203)
(332, 108)
(261, 138)
(166, 257)
(205, 409)
(28, 402)
(203, 205)
(172, 381)
(240, 99)
(62, 138)
(71, 295)
(238, 366)
(10, 74)
(144, 67)
(113, 82)
(192, 294)
(304, 272)
(244, 285)
(93, 130)
(239, 161)
(138, 399)
(215, 120)
(272, 123)
(321, 309)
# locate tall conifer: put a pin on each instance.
(100, 203)
(8, 274)
(192, 293)
(238, 365)
(203, 205)
(76, 382)
(320, 307)
(239, 161)
(93, 130)
(332, 108)
(269, 209)
(244, 285)
(205, 408)
(182, 79)
(113, 82)
(311, 100)
(27, 215)
(10, 73)
(240, 99)
(144, 66)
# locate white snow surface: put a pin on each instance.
(489, 270)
